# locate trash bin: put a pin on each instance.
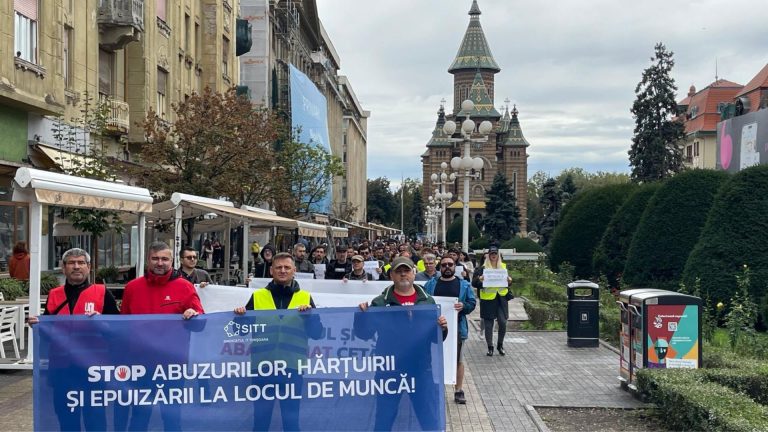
(626, 333)
(583, 314)
(665, 329)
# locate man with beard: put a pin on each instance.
(449, 285)
(303, 265)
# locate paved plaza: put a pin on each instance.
(538, 370)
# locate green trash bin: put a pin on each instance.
(583, 314)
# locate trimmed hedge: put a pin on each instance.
(583, 224)
(735, 234)
(522, 244)
(479, 243)
(670, 228)
(611, 254)
(753, 382)
(549, 292)
(540, 313)
(688, 401)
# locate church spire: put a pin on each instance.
(474, 51)
(483, 102)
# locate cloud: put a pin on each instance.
(571, 67)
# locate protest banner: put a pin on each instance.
(372, 267)
(495, 278)
(251, 372)
(300, 275)
(219, 298)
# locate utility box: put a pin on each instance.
(583, 314)
(626, 333)
(665, 331)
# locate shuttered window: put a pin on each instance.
(161, 10)
(28, 8)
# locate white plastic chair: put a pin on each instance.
(7, 329)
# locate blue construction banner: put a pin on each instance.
(381, 369)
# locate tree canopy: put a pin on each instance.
(655, 153)
(502, 219)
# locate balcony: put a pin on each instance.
(118, 116)
(120, 22)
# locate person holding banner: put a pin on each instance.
(448, 285)
(189, 270)
(287, 337)
(494, 300)
(358, 272)
(76, 297)
(402, 292)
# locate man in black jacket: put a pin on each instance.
(339, 267)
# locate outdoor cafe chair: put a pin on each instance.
(7, 332)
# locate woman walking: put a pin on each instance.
(493, 301)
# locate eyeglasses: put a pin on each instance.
(192, 257)
(446, 265)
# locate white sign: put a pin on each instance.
(319, 271)
(300, 275)
(459, 271)
(220, 298)
(495, 278)
(371, 268)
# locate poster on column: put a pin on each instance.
(673, 336)
(219, 371)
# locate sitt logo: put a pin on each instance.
(233, 329)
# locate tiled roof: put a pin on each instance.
(760, 80)
(514, 132)
(474, 52)
(703, 106)
(483, 104)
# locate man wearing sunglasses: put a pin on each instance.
(189, 270)
(448, 285)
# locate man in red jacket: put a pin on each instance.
(162, 289)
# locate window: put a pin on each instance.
(198, 42)
(696, 148)
(67, 57)
(225, 57)
(162, 85)
(106, 72)
(161, 10)
(25, 30)
(187, 36)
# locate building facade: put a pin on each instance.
(506, 150)
(289, 32)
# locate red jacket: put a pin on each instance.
(18, 268)
(94, 295)
(166, 294)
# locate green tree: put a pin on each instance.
(734, 235)
(655, 153)
(417, 212)
(453, 233)
(534, 208)
(611, 254)
(380, 202)
(583, 180)
(670, 228)
(307, 172)
(582, 226)
(551, 202)
(568, 187)
(502, 219)
(87, 134)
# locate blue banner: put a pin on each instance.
(309, 115)
(252, 372)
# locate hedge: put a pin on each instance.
(670, 228)
(753, 382)
(687, 401)
(540, 313)
(735, 234)
(522, 244)
(582, 226)
(547, 292)
(611, 254)
(12, 289)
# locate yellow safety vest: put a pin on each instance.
(286, 336)
(490, 293)
(420, 265)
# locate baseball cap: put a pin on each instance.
(357, 258)
(402, 261)
(493, 249)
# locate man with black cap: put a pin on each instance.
(339, 267)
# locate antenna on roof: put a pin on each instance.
(715, 68)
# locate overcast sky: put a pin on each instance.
(570, 66)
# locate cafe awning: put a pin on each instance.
(339, 232)
(308, 229)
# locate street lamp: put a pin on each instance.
(442, 196)
(467, 163)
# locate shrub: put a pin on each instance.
(549, 292)
(107, 274)
(541, 313)
(12, 288)
(582, 226)
(611, 254)
(734, 235)
(689, 402)
(522, 244)
(753, 381)
(670, 227)
(479, 243)
(453, 234)
(48, 281)
(610, 325)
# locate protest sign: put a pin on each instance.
(495, 278)
(371, 267)
(251, 372)
(319, 271)
(300, 275)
